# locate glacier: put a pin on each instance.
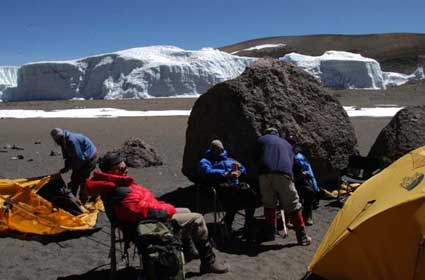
(146, 72)
(166, 71)
(340, 70)
(8, 78)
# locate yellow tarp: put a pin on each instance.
(379, 231)
(23, 210)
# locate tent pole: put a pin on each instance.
(418, 259)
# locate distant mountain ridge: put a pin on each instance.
(396, 52)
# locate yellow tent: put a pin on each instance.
(23, 210)
(380, 231)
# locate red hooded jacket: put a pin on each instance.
(130, 202)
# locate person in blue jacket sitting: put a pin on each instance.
(224, 173)
(80, 156)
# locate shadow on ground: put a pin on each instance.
(46, 239)
(94, 274)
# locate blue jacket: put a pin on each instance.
(213, 168)
(275, 155)
(306, 167)
(77, 149)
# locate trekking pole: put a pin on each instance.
(285, 229)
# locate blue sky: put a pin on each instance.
(39, 30)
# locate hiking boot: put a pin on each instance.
(302, 238)
(189, 250)
(214, 267)
(309, 221)
(209, 262)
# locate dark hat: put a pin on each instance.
(109, 160)
(57, 133)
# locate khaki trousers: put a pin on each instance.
(277, 187)
(192, 224)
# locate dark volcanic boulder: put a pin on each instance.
(139, 154)
(270, 93)
(404, 133)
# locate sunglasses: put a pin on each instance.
(121, 169)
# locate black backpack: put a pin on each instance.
(162, 252)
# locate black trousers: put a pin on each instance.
(234, 198)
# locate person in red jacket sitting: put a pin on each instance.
(130, 203)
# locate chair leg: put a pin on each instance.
(112, 254)
(197, 197)
(215, 210)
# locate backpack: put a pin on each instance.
(162, 252)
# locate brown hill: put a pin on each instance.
(397, 52)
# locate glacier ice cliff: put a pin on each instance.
(155, 71)
(8, 77)
(338, 69)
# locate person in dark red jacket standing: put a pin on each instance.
(131, 203)
(276, 158)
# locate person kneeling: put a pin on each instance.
(132, 203)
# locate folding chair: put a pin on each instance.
(216, 207)
(358, 171)
(219, 226)
(123, 237)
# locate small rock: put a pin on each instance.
(54, 154)
(7, 146)
(20, 157)
(30, 159)
(37, 142)
(13, 158)
(16, 147)
(3, 151)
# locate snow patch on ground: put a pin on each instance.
(115, 113)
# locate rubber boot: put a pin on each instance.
(189, 250)
(209, 263)
(302, 238)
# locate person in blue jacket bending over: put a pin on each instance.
(218, 170)
(80, 156)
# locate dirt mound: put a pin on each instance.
(139, 154)
(271, 93)
(404, 133)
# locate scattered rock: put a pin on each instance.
(7, 147)
(16, 147)
(139, 154)
(271, 93)
(54, 153)
(404, 133)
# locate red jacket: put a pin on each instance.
(131, 202)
